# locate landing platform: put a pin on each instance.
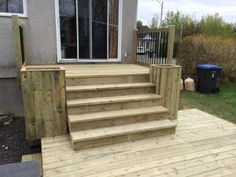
(97, 69)
(203, 145)
(104, 69)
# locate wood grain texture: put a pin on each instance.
(17, 46)
(44, 102)
(203, 145)
(171, 42)
(167, 79)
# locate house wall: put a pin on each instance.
(40, 39)
(10, 97)
(130, 8)
(40, 34)
(40, 48)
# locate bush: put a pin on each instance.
(194, 50)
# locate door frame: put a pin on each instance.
(77, 60)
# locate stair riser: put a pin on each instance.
(116, 121)
(112, 106)
(109, 93)
(122, 138)
(107, 80)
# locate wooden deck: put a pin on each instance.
(203, 146)
(103, 69)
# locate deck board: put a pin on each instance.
(97, 69)
(203, 145)
(104, 69)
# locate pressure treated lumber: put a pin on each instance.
(117, 134)
(171, 43)
(107, 90)
(116, 114)
(114, 99)
(209, 150)
(167, 79)
(18, 46)
(44, 102)
(115, 118)
(79, 106)
(101, 70)
(114, 78)
(108, 87)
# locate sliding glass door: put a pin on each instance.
(89, 29)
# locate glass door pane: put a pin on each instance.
(99, 29)
(113, 28)
(84, 28)
(68, 29)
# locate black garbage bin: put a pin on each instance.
(207, 76)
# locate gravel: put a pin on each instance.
(13, 143)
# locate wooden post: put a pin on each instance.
(44, 102)
(171, 42)
(17, 45)
(167, 80)
(135, 45)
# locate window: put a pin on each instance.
(89, 29)
(12, 7)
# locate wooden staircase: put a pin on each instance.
(112, 108)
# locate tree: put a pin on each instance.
(188, 26)
(154, 22)
(139, 24)
(172, 18)
(214, 25)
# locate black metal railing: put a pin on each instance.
(153, 46)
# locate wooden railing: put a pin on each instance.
(17, 28)
(154, 46)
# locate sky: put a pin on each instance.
(194, 8)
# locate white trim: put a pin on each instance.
(77, 28)
(120, 28)
(24, 14)
(80, 60)
(58, 33)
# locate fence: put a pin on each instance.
(154, 46)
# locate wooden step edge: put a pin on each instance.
(115, 99)
(105, 115)
(108, 87)
(77, 137)
(71, 76)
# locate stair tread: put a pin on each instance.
(114, 99)
(86, 117)
(108, 86)
(97, 75)
(100, 133)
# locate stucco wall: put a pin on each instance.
(40, 35)
(130, 8)
(40, 45)
(10, 97)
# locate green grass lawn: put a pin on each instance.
(222, 104)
